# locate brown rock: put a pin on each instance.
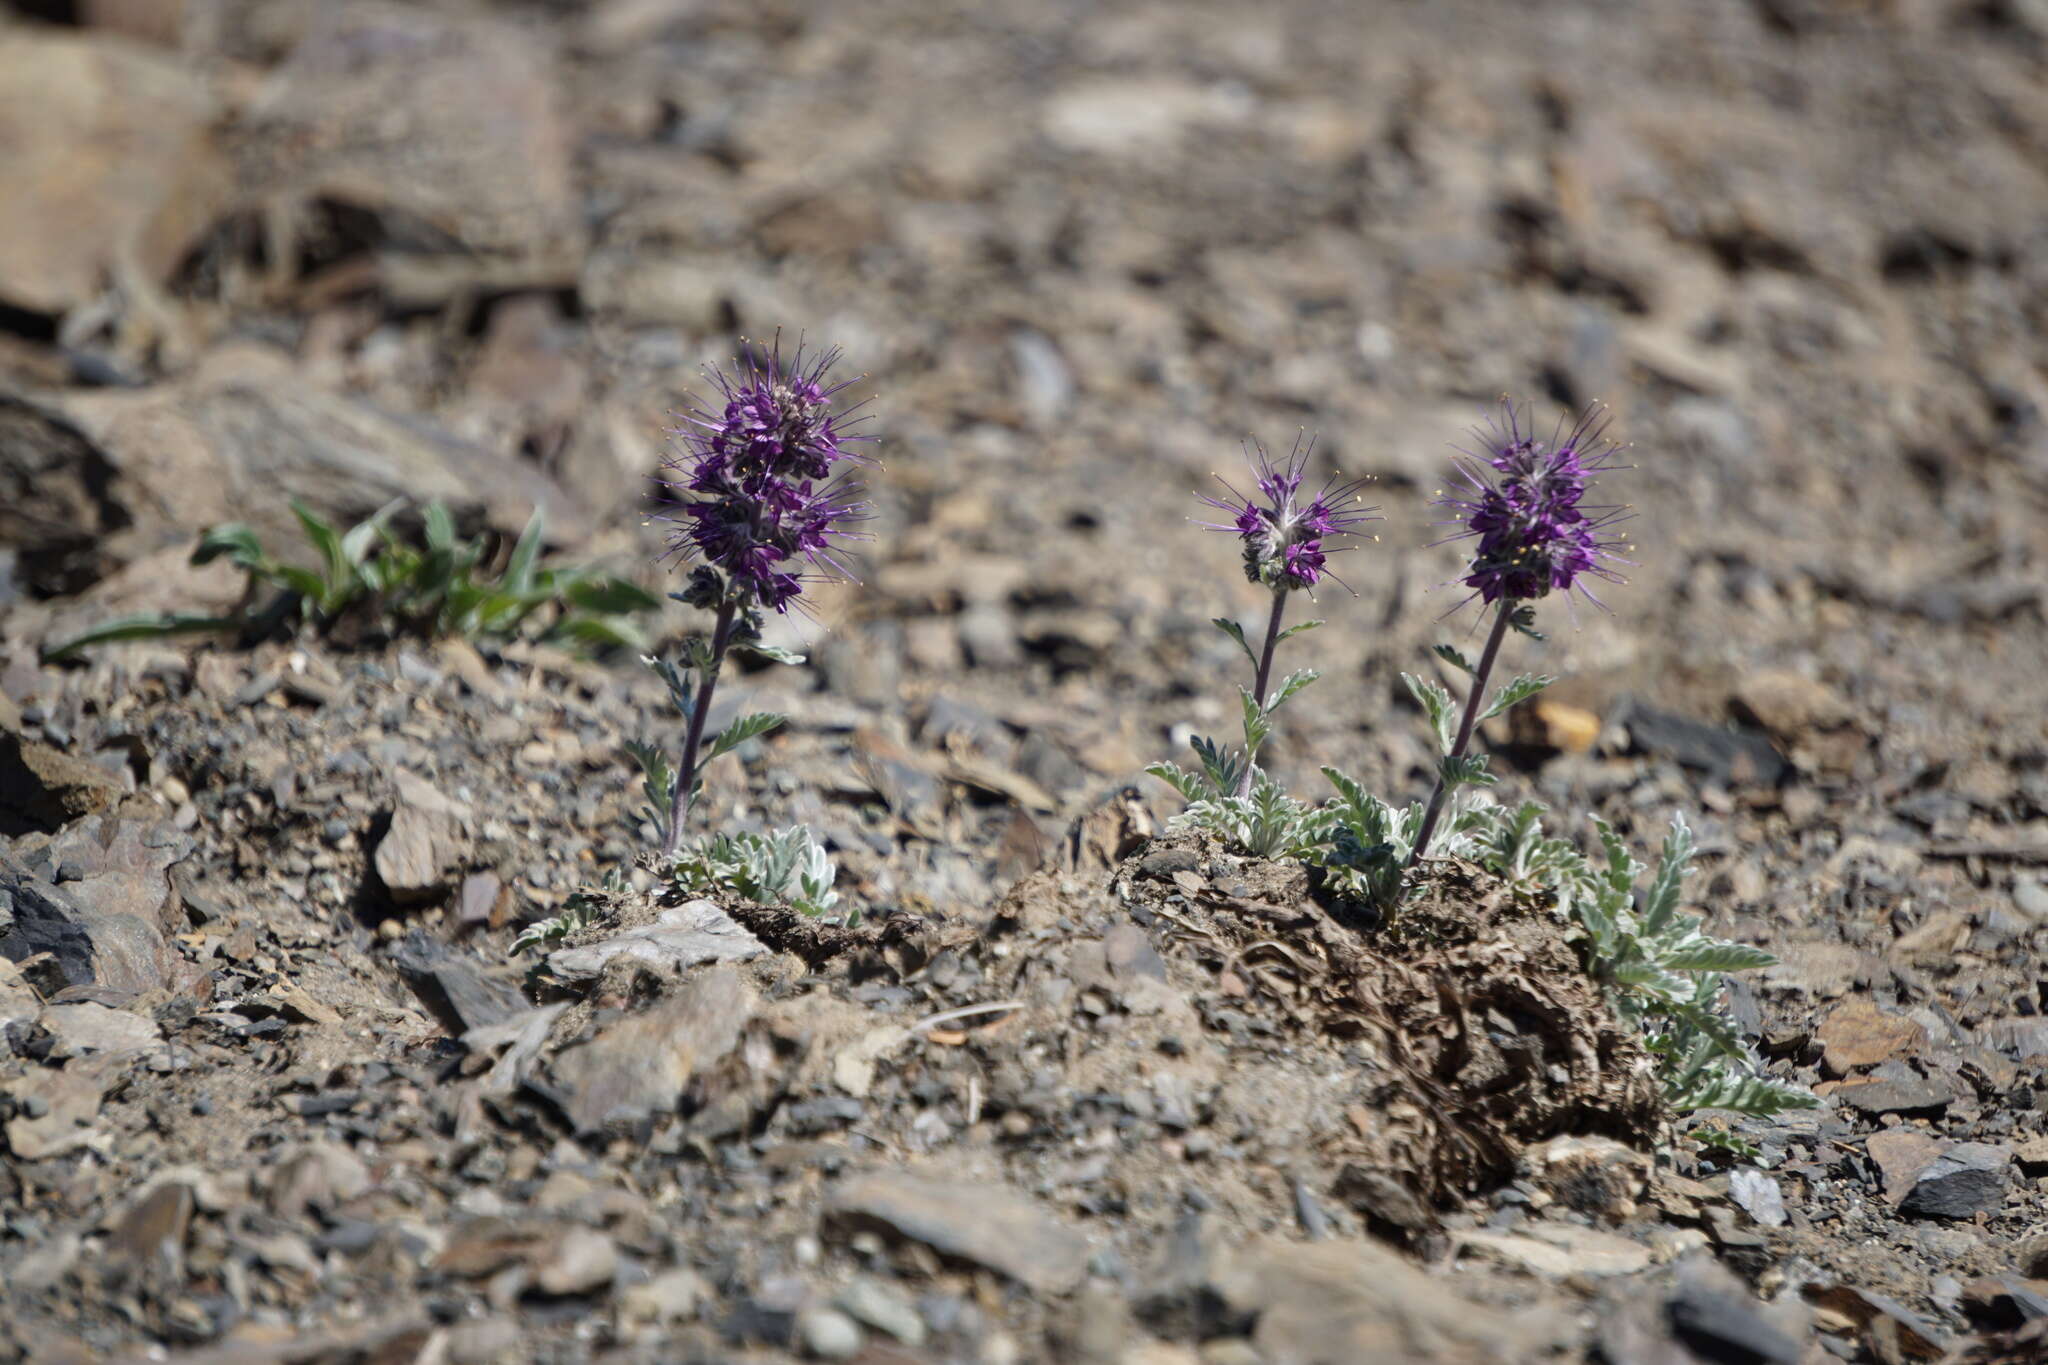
(1857, 1034)
(1893, 1330)
(450, 120)
(106, 926)
(114, 170)
(1550, 724)
(577, 1263)
(318, 1175)
(983, 1223)
(637, 1068)
(42, 788)
(1894, 1088)
(1789, 704)
(1902, 1154)
(244, 434)
(55, 1109)
(1324, 1302)
(426, 840)
(150, 1238)
(54, 508)
(87, 1026)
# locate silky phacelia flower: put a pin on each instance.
(1524, 500)
(1283, 535)
(758, 490)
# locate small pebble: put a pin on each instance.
(883, 1309)
(828, 1333)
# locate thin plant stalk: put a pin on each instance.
(1265, 674)
(1473, 699)
(693, 738)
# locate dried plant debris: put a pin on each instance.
(1480, 1029)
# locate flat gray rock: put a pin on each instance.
(681, 936)
(984, 1224)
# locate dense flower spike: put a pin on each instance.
(1524, 501)
(1283, 536)
(756, 490)
(756, 494)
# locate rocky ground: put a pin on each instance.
(273, 1085)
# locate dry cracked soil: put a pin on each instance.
(1077, 1087)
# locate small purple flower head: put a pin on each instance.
(1283, 535)
(1524, 501)
(757, 484)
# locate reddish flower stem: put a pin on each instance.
(1265, 674)
(1465, 726)
(693, 738)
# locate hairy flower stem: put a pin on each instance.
(693, 738)
(1473, 699)
(1244, 783)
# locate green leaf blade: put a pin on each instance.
(1236, 632)
(743, 729)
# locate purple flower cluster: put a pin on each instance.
(757, 486)
(1526, 505)
(1284, 536)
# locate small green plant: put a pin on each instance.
(788, 867)
(1664, 975)
(1229, 793)
(442, 587)
(666, 807)
(784, 867)
(580, 911)
(1726, 1146)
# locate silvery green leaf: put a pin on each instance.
(1348, 788)
(773, 653)
(598, 632)
(1289, 685)
(1436, 703)
(356, 545)
(327, 541)
(1650, 977)
(1290, 633)
(1235, 632)
(1715, 955)
(741, 730)
(1222, 768)
(1519, 689)
(676, 679)
(440, 527)
(1187, 784)
(1622, 870)
(655, 769)
(1469, 770)
(1256, 724)
(1450, 655)
(525, 558)
(1661, 902)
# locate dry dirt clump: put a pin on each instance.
(1467, 1032)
